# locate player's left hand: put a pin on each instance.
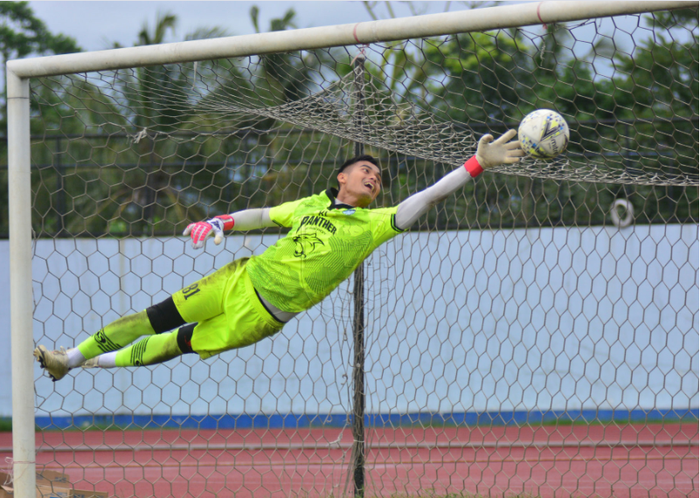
(199, 232)
(492, 153)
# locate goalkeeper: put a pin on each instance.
(331, 233)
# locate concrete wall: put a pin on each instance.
(537, 319)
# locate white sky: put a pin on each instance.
(97, 25)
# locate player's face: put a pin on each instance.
(360, 184)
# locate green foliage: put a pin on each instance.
(23, 34)
(5, 424)
(283, 77)
(646, 114)
(145, 150)
(486, 74)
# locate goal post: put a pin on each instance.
(22, 303)
(333, 36)
(488, 197)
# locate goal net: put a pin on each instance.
(536, 333)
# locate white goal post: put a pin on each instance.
(19, 73)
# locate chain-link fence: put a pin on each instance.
(535, 333)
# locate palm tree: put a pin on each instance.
(159, 102)
(287, 77)
(271, 148)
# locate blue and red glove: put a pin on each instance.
(199, 231)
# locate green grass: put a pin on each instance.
(5, 424)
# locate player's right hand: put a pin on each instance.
(199, 232)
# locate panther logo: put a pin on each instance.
(306, 244)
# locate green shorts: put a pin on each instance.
(226, 309)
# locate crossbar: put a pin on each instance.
(506, 16)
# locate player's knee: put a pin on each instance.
(184, 338)
(164, 316)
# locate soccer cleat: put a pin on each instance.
(91, 363)
(54, 362)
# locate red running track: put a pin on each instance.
(583, 461)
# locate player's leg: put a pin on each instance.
(115, 336)
(200, 302)
(244, 320)
(156, 319)
(227, 314)
(224, 304)
(151, 350)
(197, 302)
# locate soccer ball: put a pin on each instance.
(543, 134)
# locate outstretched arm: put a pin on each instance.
(489, 153)
(248, 219)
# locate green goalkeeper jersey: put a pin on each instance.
(327, 241)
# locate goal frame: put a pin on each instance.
(19, 73)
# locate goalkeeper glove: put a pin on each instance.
(490, 154)
(199, 231)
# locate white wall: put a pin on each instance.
(562, 319)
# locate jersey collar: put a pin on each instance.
(332, 193)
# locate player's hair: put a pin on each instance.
(357, 159)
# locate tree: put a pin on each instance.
(116, 133)
(177, 116)
(658, 92)
(23, 34)
(286, 76)
(158, 101)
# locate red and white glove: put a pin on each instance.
(493, 154)
(199, 231)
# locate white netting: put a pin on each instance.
(519, 338)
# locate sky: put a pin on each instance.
(97, 25)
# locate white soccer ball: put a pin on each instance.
(543, 134)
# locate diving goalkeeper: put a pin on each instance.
(331, 233)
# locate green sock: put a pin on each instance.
(149, 351)
(116, 335)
